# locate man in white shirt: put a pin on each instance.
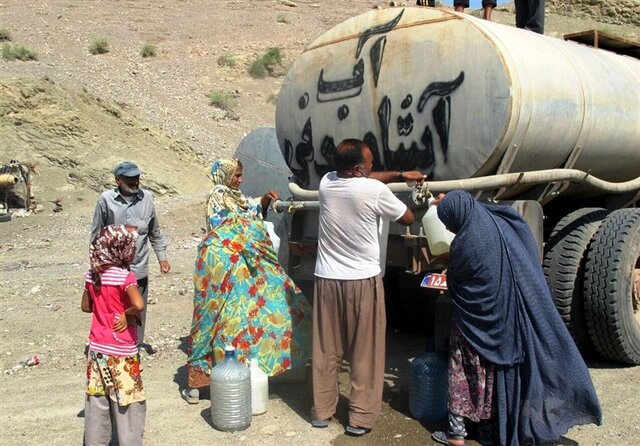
(348, 307)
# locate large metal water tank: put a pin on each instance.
(458, 97)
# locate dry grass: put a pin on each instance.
(148, 50)
(99, 45)
(5, 35)
(222, 99)
(18, 52)
(265, 63)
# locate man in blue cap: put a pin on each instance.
(128, 204)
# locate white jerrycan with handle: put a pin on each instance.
(259, 388)
(438, 237)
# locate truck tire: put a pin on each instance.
(563, 265)
(611, 286)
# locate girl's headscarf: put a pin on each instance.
(115, 245)
(223, 199)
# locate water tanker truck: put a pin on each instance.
(548, 126)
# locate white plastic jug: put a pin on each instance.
(438, 237)
(259, 388)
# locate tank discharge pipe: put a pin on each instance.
(498, 181)
(535, 177)
(293, 206)
(312, 195)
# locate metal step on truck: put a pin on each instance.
(548, 126)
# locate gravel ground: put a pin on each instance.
(42, 259)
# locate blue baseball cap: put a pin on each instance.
(127, 169)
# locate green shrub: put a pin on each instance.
(222, 99)
(99, 46)
(7, 54)
(266, 63)
(18, 52)
(282, 19)
(257, 69)
(24, 53)
(272, 57)
(5, 35)
(148, 50)
(227, 60)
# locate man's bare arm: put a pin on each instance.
(396, 176)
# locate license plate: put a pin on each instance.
(435, 280)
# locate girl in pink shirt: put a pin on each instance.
(114, 385)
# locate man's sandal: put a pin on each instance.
(442, 438)
(356, 431)
(320, 423)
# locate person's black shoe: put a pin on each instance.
(356, 431)
(150, 349)
(320, 423)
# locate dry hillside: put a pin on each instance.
(150, 108)
(623, 12)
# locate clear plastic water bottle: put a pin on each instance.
(428, 386)
(230, 394)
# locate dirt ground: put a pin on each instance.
(156, 110)
(41, 263)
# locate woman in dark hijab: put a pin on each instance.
(511, 357)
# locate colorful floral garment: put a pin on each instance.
(242, 295)
(116, 377)
(470, 380)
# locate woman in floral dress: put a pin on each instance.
(243, 296)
